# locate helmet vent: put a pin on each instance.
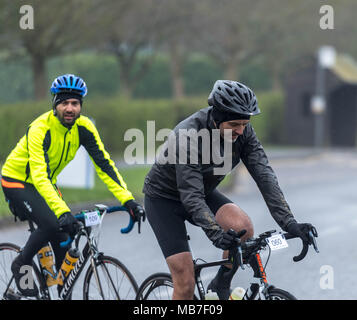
(246, 97)
(225, 101)
(230, 92)
(239, 94)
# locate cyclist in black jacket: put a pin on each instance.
(182, 186)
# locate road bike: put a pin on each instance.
(106, 277)
(159, 286)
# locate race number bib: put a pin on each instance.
(92, 218)
(277, 242)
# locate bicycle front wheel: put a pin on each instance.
(110, 280)
(158, 286)
(8, 252)
(279, 294)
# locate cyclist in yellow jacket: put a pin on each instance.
(30, 172)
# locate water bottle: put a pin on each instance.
(68, 264)
(48, 263)
(237, 294)
(211, 295)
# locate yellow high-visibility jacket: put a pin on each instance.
(48, 146)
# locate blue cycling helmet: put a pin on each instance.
(69, 83)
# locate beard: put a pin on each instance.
(229, 136)
(68, 119)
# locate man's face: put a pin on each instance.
(68, 111)
(237, 127)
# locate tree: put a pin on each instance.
(126, 30)
(229, 26)
(178, 28)
(59, 27)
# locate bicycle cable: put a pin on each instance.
(266, 263)
(199, 259)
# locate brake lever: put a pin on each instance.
(240, 257)
(236, 255)
(312, 236)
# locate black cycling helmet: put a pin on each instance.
(233, 97)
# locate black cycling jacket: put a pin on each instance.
(191, 182)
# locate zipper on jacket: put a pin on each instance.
(69, 144)
(64, 147)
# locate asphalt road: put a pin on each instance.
(320, 189)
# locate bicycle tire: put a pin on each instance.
(156, 280)
(279, 294)
(158, 286)
(121, 285)
(6, 273)
(8, 252)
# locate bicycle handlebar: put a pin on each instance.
(101, 210)
(305, 245)
(258, 243)
(130, 226)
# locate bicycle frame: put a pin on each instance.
(72, 277)
(90, 250)
(254, 260)
(75, 273)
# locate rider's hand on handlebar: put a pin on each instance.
(300, 230)
(69, 224)
(229, 239)
(136, 211)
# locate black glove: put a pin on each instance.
(300, 230)
(69, 224)
(136, 211)
(228, 239)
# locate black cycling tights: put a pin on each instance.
(25, 198)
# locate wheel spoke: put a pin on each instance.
(115, 280)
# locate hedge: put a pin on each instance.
(114, 116)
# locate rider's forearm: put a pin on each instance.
(190, 186)
(256, 162)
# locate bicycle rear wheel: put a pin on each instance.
(158, 286)
(279, 294)
(115, 282)
(8, 288)
(8, 252)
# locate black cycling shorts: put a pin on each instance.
(26, 202)
(167, 219)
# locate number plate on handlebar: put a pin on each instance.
(277, 242)
(91, 218)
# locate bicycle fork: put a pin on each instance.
(261, 288)
(93, 262)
